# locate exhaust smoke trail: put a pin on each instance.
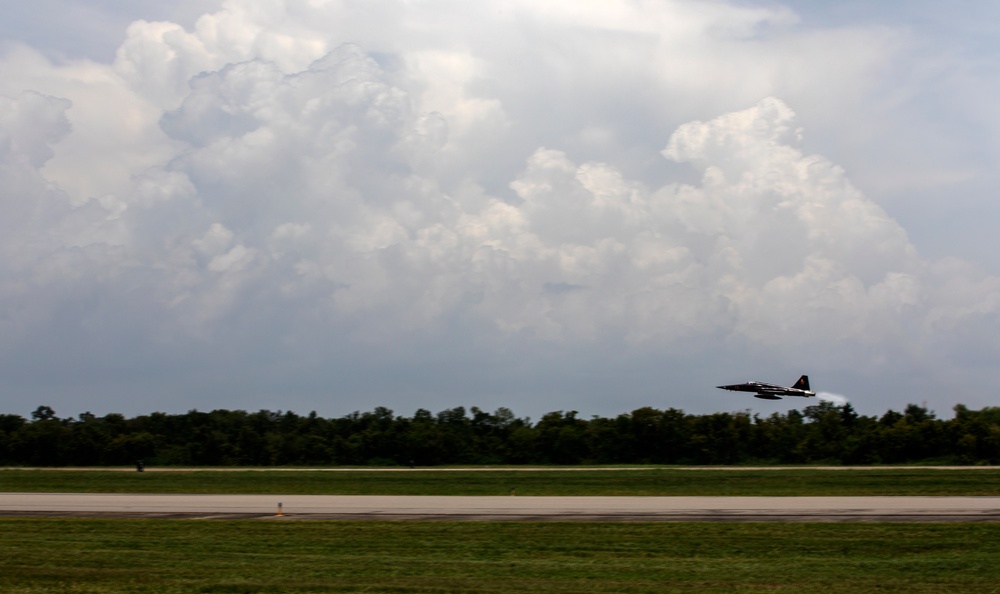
(831, 397)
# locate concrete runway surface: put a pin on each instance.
(507, 508)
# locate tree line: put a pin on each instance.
(823, 433)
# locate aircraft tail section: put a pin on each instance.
(803, 383)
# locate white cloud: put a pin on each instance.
(286, 180)
(29, 125)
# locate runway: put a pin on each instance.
(506, 508)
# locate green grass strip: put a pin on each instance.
(85, 555)
(645, 482)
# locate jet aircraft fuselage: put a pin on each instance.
(773, 391)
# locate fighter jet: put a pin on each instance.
(772, 391)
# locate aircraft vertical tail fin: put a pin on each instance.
(803, 383)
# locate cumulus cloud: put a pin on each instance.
(290, 194)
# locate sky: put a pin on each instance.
(333, 205)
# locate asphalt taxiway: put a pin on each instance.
(507, 508)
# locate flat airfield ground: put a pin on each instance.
(583, 481)
(479, 508)
(292, 553)
(569, 493)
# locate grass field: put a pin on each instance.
(148, 555)
(82, 555)
(638, 482)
